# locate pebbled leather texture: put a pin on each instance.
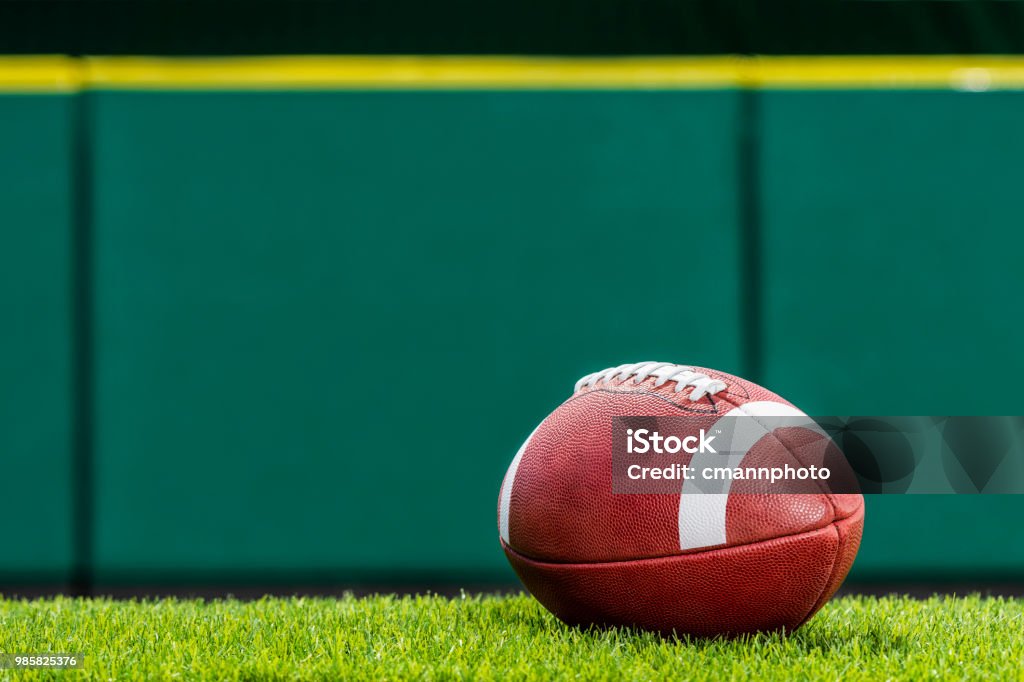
(593, 557)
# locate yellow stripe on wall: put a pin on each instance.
(881, 73)
(415, 72)
(40, 74)
(65, 74)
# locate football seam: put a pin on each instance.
(823, 598)
(824, 491)
(702, 550)
(643, 391)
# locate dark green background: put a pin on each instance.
(566, 27)
(320, 324)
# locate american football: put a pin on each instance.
(703, 565)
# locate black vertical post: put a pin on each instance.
(82, 343)
(751, 258)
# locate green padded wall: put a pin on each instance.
(283, 280)
(893, 235)
(325, 321)
(35, 341)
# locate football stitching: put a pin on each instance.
(645, 391)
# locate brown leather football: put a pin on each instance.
(671, 563)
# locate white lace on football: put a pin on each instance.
(664, 371)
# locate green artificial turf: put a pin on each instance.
(476, 637)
